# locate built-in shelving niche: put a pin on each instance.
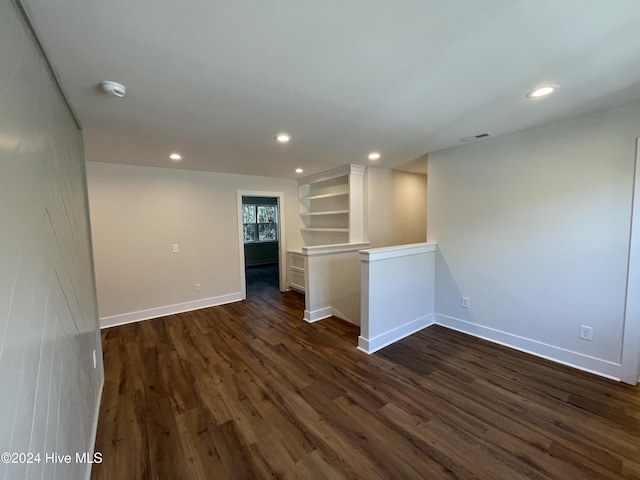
(331, 207)
(331, 213)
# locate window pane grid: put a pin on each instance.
(267, 232)
(260, 223)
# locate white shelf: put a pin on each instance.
(332, 206)
(326, 195)
(327, 212)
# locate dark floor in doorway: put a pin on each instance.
(262, 276)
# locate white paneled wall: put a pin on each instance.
(49, 389)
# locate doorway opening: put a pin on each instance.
(261, 229)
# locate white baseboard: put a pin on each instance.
(112, 321)
(315, 315)
(572, 359)
(371, 345)
(322, 313)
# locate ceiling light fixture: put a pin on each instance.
(175, 156)
(542, 91)
(374, 156)
(283, 137)
(299, 170)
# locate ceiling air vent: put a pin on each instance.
(477, 137)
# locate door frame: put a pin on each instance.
(631, 334)
(282, 248)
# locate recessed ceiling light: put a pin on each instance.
(542, 91)
(283, 137)
(299, 170)
(175, 156)
(374, 156)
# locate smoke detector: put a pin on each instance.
(113, 88)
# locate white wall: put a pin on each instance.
(49, 389)
(398, 288)
(533, 227)
(396, 207)
(332, 280)
(139, 212)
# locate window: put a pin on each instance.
(260, 223)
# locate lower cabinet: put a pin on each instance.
(296, 271)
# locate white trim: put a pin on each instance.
(371, 345)
(335, 248)
(631, 336)
(385, 253)
(343, 171)
(315, 315)
(555, 354)
(114, 320)
(322, 313)
(282, 247)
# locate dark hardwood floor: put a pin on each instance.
(261, 277)
(249, 390)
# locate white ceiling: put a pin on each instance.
(217, 79)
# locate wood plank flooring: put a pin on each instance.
(249, 390)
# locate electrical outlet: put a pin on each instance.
(197, 287)
(465, 302)
(175, 248)
(586, 333)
